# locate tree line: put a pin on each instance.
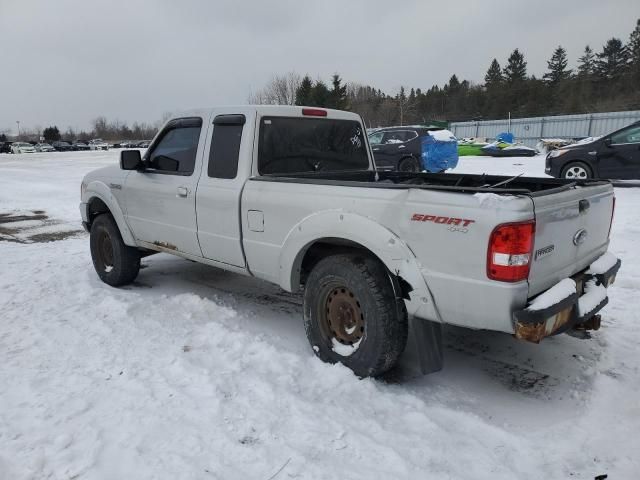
(101, 127)
(606, 80)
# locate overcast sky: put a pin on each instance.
(65, 62)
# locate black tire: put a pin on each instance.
(116, 263)
(373, 319)
(576, 171)
(408, 164)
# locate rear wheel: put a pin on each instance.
(116, 263)
(352, 315)
(408, 164)
(576, 171)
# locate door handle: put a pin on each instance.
(183, 191)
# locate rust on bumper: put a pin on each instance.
(536, 331)
(534, 325)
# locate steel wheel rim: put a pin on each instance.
(576, 172)
(342, 316)
(105, 251)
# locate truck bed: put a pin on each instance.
(453, 182)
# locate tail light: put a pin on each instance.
(314, 112)
(613, 211)
(510, 249)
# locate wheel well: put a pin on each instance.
(331, 246)
(94, 208)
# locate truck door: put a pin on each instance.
(160, 201)
(620, 155)
(221, 184)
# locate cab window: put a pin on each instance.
(297, 145)
(225, 146)
(175, 151)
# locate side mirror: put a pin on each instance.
(165, 163)
(607, 142)
(131, 160)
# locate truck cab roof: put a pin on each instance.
(272, 110)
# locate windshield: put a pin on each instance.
(296, 145)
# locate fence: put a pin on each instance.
(530, 130)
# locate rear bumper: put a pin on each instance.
(534, 325)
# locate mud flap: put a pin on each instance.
(428, 338)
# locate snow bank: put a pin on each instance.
(557, 293)
(603, 264)
(593, 296)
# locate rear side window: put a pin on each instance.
(225, 146)
(399, 136)
(175, 152)
(296, 145)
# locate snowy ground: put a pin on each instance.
(196, 373)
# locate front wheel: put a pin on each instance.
(352, 315)
(116, 264)
(576, 171)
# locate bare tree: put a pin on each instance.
(281, 90)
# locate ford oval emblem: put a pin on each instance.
(580, 237)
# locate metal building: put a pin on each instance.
(530, 130)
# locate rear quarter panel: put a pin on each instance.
(451, 256)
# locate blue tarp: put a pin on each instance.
(505, 137)
(439, 155)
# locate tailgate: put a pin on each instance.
(572, 230)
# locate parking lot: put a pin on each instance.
(193, 372)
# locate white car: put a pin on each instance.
(44, 147)
(22, 147)
(98, 144)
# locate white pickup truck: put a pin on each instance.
(291, 195)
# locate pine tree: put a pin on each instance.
(338, 94)
(493, 77)
(557, 66)
(454, 84)
(633, 48)
(402, 96)
(516, 69)
(51, 134)
(320, 94)
(587, 63)
(304, 93)
(613, 60)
